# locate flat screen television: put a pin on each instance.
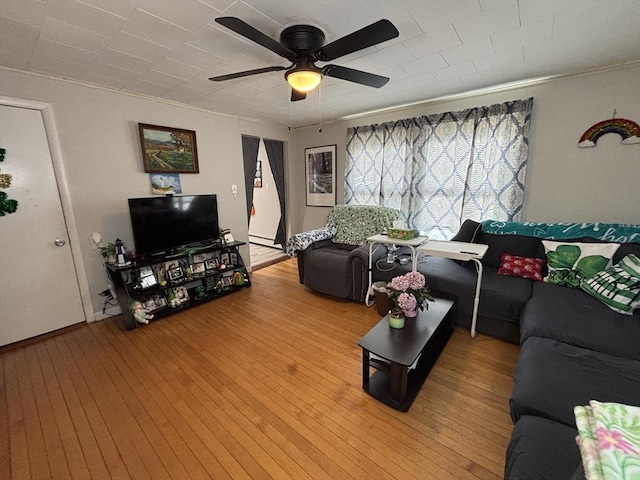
(164, 224)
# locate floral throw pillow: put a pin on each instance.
(608, 440)
(568, 263)
(525, 267)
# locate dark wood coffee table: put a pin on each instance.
(420, 341)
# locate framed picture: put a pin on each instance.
(154, 302)
(211, 264)
(168, 150)
(197, 267)
(165, 183)
(200, 257)
(257, 181)
(320, 163)
(175, 273)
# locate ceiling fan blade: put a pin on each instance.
(377, 32)
(246, 73)
(247, 31)
(296, 95)
(356, 76)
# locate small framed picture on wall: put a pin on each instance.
(257, 181)
(320, 166)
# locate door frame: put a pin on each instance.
(57, 160)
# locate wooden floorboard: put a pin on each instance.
(264, 383)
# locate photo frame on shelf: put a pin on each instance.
(154, 302)
(211, 264)
(175, 273)
(320, 168)
(197, 267)
(168, 149)
(201, 257)
(180, 295)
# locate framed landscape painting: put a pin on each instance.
(320, 163)
(168, 150)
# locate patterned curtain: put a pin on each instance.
(441, 169)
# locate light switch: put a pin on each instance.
(234, 189)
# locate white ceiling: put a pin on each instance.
(169, 48)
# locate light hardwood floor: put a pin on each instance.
(264, 383)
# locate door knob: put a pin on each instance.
(59, 242)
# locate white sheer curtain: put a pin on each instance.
(441, 169)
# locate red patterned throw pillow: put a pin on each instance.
(525, 267)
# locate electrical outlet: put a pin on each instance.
(234, 189)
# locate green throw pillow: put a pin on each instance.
(617, 287)
(568, 263)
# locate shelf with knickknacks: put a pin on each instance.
(153, 287)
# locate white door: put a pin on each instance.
(39, 289)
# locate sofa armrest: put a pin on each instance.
(300, 241)
(300, 254)
(359, 278)
(359, 268)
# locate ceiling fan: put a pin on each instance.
(303, 45)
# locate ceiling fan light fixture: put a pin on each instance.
(303, 80)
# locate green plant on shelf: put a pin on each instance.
(110, 249)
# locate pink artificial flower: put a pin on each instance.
(407, 301)
(416, 280)
(613, 439)
(400, 283)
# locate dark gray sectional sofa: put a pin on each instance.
(573, 347)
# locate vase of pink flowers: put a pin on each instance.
(409, 292)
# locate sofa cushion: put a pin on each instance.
(552, 377)
(500, 297)
(626, 249)
(541, 449)
(468, 232)
(569, 262)
(572, 316)
(618, 287)
(513, 244)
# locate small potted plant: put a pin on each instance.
(109, 253)
(409, 292)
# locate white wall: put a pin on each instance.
(564, 183)
(101, 154)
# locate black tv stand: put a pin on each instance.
(166, 283)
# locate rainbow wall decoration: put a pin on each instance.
(627, 129)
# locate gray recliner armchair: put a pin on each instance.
(333, 259)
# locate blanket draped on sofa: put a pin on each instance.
(607, 232)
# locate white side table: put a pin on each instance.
(457, 251)
(412, 244)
